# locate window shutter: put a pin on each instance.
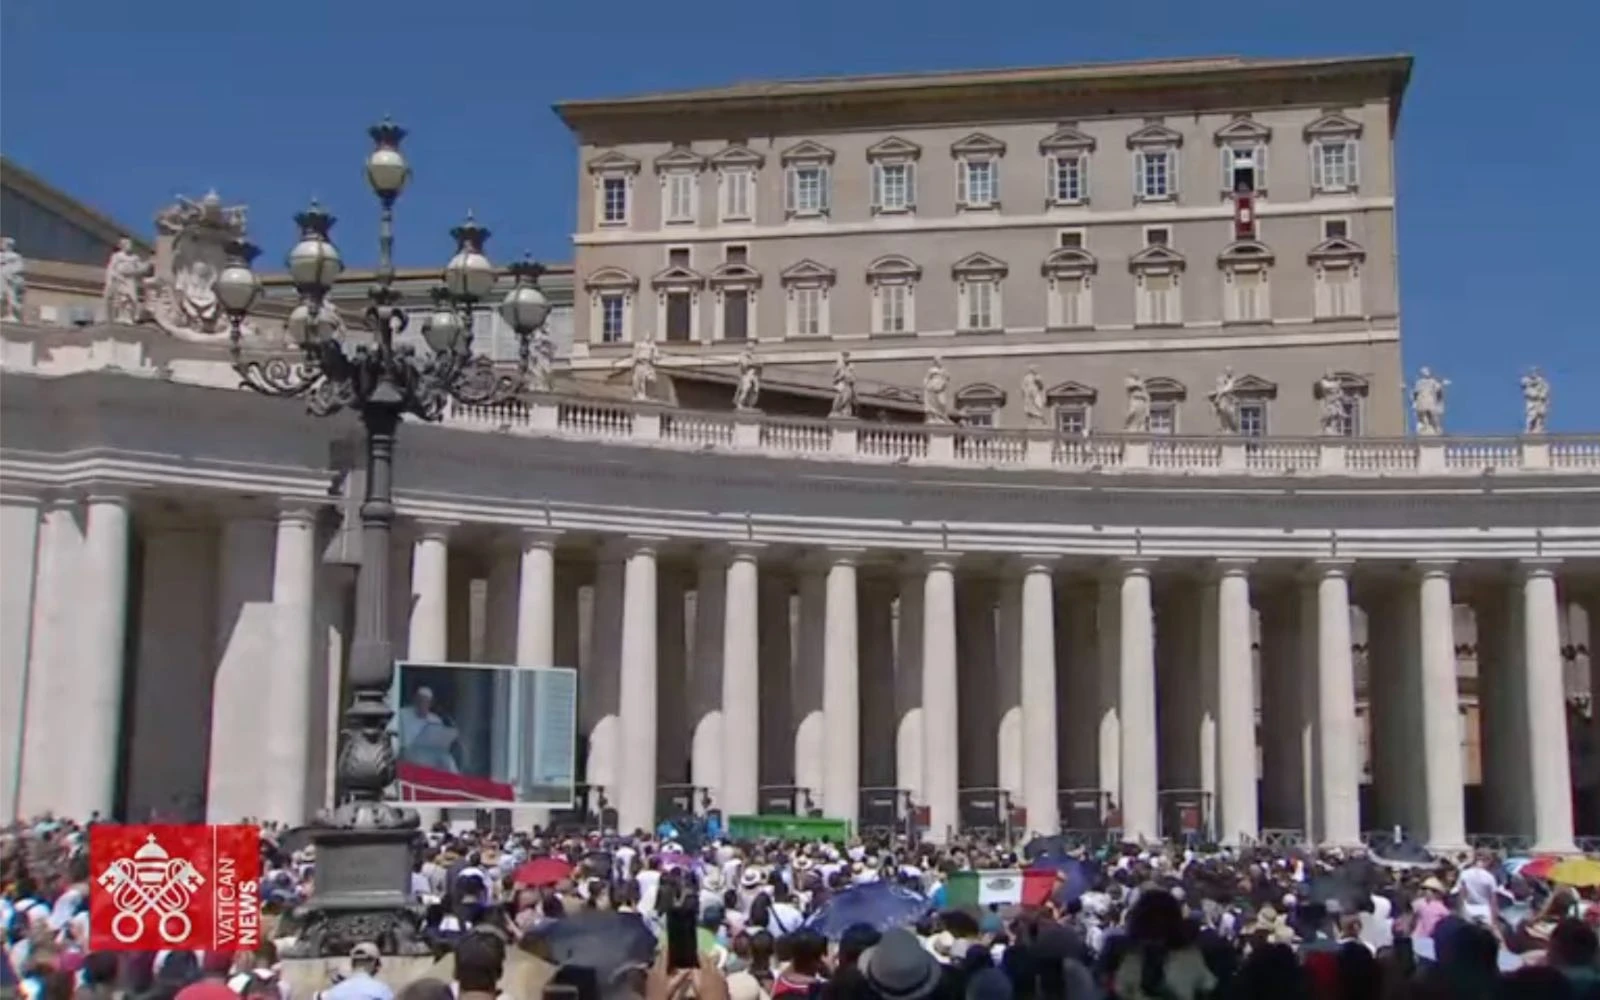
(1138, 174)
(1083, 176)
(877, 186)
(1227, 168)
(911, 185)
(961, 182)
(1354, 153)
(1261, 167)
(1172, 173)
(789, 183)
(825, 183)
(994, 181)
(1053, 181)
(1316, 166)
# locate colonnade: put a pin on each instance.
(740, 666)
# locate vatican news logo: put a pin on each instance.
(158, 887)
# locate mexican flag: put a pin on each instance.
(999, 887)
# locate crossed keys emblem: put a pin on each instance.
(151, 882)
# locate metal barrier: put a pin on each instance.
(1186, 815)
(787, 800)
(988, 811)
(677, 802)
(884, 810)
(1283, 837)
(1084, 809)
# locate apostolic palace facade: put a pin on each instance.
(1022, 447)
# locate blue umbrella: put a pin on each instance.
(878, 904)
(604, 940)
(1078, 876)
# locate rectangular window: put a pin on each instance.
(1069, 175)
(1247, 292)
(808, 312)
(1073, 309)
(1333, 164)
(977, 418)
(677, 256)
(1350, 418)
(1070, 238)
(736, 314)
(982, 300)
(1253, 419)
(679, 315)
(978, 183)
(611, 318)
(680, 197)
(1157, 236)
(892, 302)
(893, 187)
(1338, 292)
(737, 195)
(1244, 169)
(1160, 299)
(736, 253)
(808, 189)
(1336, 229)
(1154, 174)
(1164, 418)
(613, 200)
(1072, 419)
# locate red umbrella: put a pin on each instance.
(1539, 867)
(542, 872)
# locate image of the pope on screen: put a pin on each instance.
(427, 738)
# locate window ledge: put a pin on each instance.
(1167, 325)
(1165, 199)
(1264, 321)
(808, 214)
(982, 331)
(993, 206)
(1074, 328)
(907, 210)
(1258, 193)
(736, 219)
(1057, 203)
(1348, 189)
(613, 225)
(680, 223)
(893, 334)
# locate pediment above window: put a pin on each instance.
(676, 277)
(1333, 124)
(1069, 261)
(1066, 139)
(808, 152)
(679, 158)
(1157, 258)
(739, 275)
(1255, 387)
(1243, 130)
(1164, 388)
(738, 155)
(980, 394)
(613, 162)
(894, 267)
(894, 148)
(807, 272)
(980, 265)
(1070, 392)
(1155, 134)
(1353, 384)
(1245, 254)
(1338, 250)
(978, 144)
(611, 279)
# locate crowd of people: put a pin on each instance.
(519, 914)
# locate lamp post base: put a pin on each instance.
(362, 879)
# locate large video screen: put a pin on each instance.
(481, 736)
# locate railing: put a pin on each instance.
(972, 447)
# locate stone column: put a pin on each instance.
(706, 677)
(287, 755)
(1236, 710)
(1108, 689)
(1008, 687)
(429, 635)
(1339, 768)
(534, 642)
(776, 752)
(878, 735)
(47, 749)
(636, 755)
(508, 739)
(1038, 667)
(599, 685)
(841, 691)
(741, 684)
(1137, 705)
(103, 621)
(1441, 712)
(672, 714)
(243, 649)
(940, 748)
(19, 537)
(1545, 698)
(809, 735)
(908, 689)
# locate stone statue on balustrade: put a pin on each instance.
(1331, 404)
(1225, 402)
(1137, 420)
(936, 393)
(124, 293)
(13, 284)
(542, 358)
(179, 292)
(642, 365)
(748, 390)
(1427, 402)
(1034, 399)
(1535, 402)
(844, 387)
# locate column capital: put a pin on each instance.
(1318, 569)
(1026, 563)
(924, 562)
(1219, 568)
(1433, 567)
(293, 510)
(842, 555)
(538, 538)
(627, 546)
(106, 492)
(434, 529)
(743, 551)
(1539, 566)
(1124, 566)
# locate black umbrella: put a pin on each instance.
(603, 940)
(1338, 887)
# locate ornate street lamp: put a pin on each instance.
(364, 844)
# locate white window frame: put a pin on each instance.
(751, 334)
(1079, 232)
(983, 416)
(1158, 229)
(817, 294)
(1079, 287)
(680, 197)
(1258, 156)
(1327, 303)
(1171, 299)
(1078, 161)
(606, 283)
(1080, 413)
(1351, 179)
(793, 175)
(1354, 416)
(883, 294)
(992, 299)
(603, 300)
(1263, 409)
(881, 170)
(603, 183)
(1243, 302)
(1142, 192)
(1328, 220)
(1164, 417)
(731, 181)
(965, 199)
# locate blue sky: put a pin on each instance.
(125, 104)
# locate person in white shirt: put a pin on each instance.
(1478, 890)
(412, 720)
